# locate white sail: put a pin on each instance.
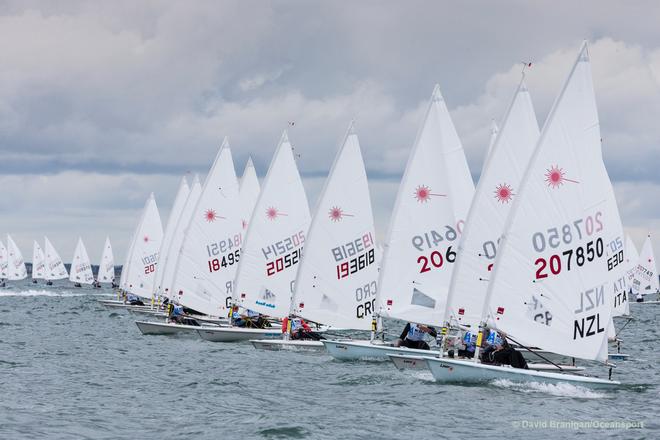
(624, 288)
(175, 214)
(170, 255)
(141, 265)
(55, 269)
(210, 252)
(81, 268)
(38, 262)
(552, 280)
(249, 193)
(338, 275)
(106, 273)
(494, 130)
(646, 276)
(16, 269)
(496, 190)
(4, 264)
(426, 225)
(276, 235)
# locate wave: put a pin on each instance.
(31, 292)
(559, 389)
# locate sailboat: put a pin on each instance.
(139, 269)
(552, 282)
(106, 272)
(337, 277)
(426, 226)
(175, 214)
(4, 264)
(275, 240)
(55, 269)
(38, 263)
(646, 274)
(81, 269)
(16, 269)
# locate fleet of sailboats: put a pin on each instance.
(536, 255)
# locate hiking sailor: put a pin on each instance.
(413, 336)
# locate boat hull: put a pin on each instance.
(281, 344)
(446, 370)
(351, 350)
(403, 362)
(236, 334)
(165, 328)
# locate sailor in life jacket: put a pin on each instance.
(134, 300)
(175, 313)
(414, 335)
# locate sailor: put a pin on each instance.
(300, 330)
(413, 336)
(499, 352)
(134, 300)
(236, 318)
(176, 313)
(470, 343)
(639, 297)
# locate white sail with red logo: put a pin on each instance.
(248, 190)
(427, 221)
(175, 214)
(81, 267)
(210, 252)
(496, 190)
(3, 261)
(646, 274)
(141, 265)
(55, 269)
(337, 279)
(106, 273)
(16, 269)
(171, 253)
(276, 234)
(561, 250)
(38, 262)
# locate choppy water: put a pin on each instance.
(70, 368)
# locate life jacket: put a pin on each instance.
(494, 338)
(415, 333)
(177, 311)
(470, 341)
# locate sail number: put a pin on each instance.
(222, 246)
(283, 246)
(356, 264)
(284, 262)
(433, 238)
(150, 262)
(583, 254)
(436, 260)
(227, 260)
(555, 236)
(353, 247)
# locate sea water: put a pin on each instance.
(71, 368)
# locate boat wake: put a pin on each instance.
(560, 389)
(39, 293)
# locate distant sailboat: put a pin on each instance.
(55, 269)
(16, 269)
(175, 215)
(169, 255)
(4, 264)
(38, 263)
(106, 273)
(646, 273)
(138, 272)
(81, 268)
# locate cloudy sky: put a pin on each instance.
(103, 102)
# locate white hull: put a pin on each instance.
(165, 328)
(350, 350)
(281, 344)
(646, 302)
(558, 358)
(403, 362)
(459, 371)
(236, 334)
